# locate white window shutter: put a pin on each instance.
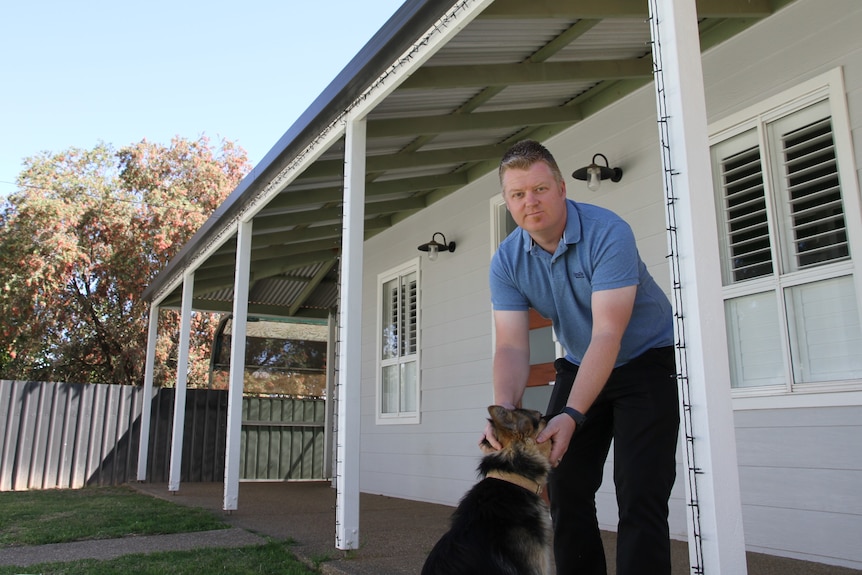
(815, 231)
(747, 251)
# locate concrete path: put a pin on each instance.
(111, 548)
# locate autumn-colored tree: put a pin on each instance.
(83, 236)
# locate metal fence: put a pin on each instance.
(282, 438)
(62, 435)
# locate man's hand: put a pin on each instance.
(559, 431)
(489, 437)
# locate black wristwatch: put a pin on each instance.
(579, 417)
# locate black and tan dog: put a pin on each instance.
(502, 526)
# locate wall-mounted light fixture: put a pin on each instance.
(594, 173)
(433, 248)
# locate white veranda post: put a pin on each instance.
(716, 542)
(237, 365)
(146, 406)
(182, 383)
(350, 278)
(349, 339)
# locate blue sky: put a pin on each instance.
(77, 73)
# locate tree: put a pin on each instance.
(83, 236)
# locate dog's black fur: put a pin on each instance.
(500, 527)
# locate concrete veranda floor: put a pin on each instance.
(395, 534)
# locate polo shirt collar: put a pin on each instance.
(572, 233)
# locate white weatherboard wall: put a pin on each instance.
(436, 459)
(800, 458)
(799, 479)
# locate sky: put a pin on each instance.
(73, 74)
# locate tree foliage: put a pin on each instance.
(83, 236)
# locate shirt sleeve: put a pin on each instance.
(505, 296)
(616, 257)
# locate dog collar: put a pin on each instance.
(519, 480)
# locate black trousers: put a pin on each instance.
(638, 408)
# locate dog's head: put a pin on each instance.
(517, 428)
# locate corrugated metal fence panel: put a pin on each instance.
(282, 439)
(60, 435)
(203, 436)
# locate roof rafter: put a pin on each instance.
(275, 252)
(474, 121)
(333, 168)
(443, 77)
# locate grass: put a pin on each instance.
(273, 558)
(60, 516)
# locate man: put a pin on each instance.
(578, 265)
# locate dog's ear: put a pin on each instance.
(503, 422)
(498, 413)
(521, 422)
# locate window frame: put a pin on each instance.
(827, 87)
(401, 417)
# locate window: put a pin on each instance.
(281, 357)
(788, 211)
(398, 345)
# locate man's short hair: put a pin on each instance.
(526, 153)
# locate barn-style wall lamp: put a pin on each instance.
(433, 248)
(594, 173)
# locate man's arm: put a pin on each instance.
(612, 310)
(511, 356)
(511, 362)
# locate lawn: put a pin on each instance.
(59, 516)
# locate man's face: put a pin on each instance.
(536, 200)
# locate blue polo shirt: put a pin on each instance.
(597, 252)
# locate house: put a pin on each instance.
(739, 178)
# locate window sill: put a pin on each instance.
(799, 399)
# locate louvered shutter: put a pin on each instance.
(815, 230)
(746, 246)
(408, 315)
